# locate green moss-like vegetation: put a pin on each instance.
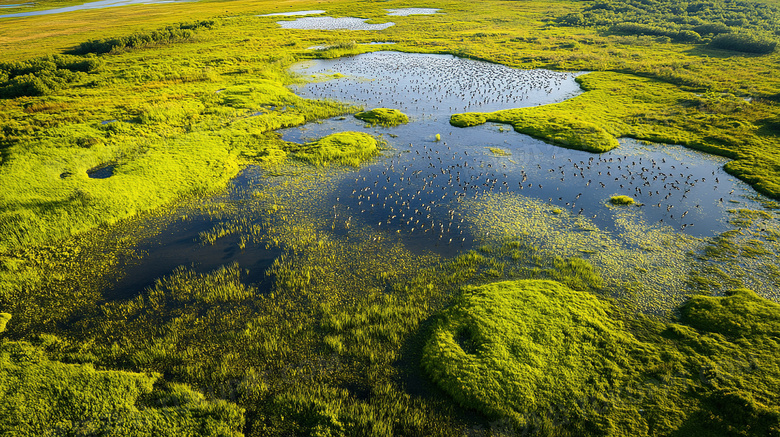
(622, 200)
(347, 148)
(467, 120)
(328, 339)
(509, 348)
(45, 397)
(383, 117)
(554, 361)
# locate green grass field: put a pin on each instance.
(553, 327)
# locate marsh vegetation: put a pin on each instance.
(526, 219)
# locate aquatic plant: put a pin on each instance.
(383, 117)
(622, 200)
(497, 151)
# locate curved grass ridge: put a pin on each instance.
(563, 132)
(347, 148)
(383, 117)
(529, 345)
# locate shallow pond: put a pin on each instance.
(684, 189)
(330, 23)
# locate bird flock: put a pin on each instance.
(416, 190)
(435, 85)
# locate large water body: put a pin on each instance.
(102, 4)
(684, 189)
(414, 190)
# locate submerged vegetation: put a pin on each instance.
(122, 127)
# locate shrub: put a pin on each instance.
(180, 32)
(744, 42)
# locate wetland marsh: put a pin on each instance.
(464, 222)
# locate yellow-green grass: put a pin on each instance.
(383, 117)
(333, 345)
(4, 318)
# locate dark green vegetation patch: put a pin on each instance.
(383, 117)
(42, 76)
(167, 35)
(731, 25)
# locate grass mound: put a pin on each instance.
(348, 148)
(467, 120)
(742, 314)
(383, 117)
(513, 347)
(622, 200)
(549, 360)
